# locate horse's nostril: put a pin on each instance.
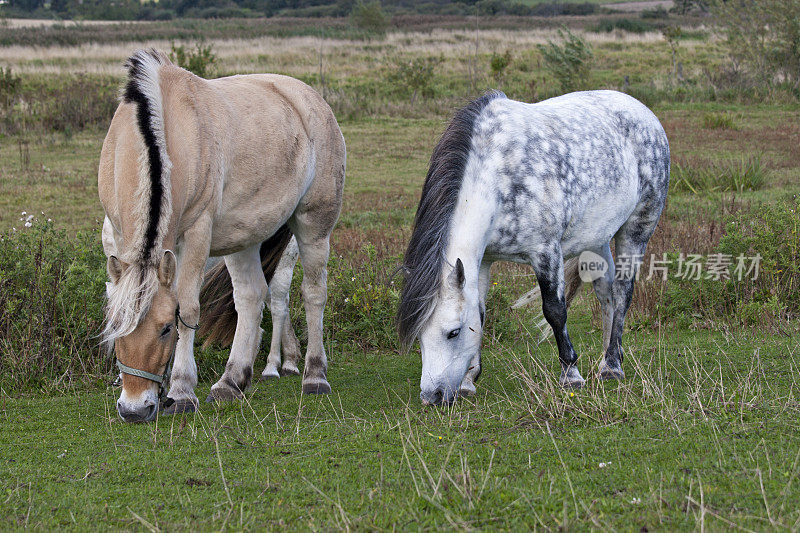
(431, 397)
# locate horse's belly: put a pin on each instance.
(597, 223)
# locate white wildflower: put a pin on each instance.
(603, 465)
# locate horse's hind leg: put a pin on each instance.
(549, 268)
(631, 243)
(282, 331)
(603, 290)
(249, 293)
(314, 258)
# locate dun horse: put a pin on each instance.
(193, 168)
(530, 183)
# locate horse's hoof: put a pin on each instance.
(270, 372)
(608, 372)
(467, 390)
(224, 395)
(571, 379)
(177, 407)
(318, 386)
(289, 369)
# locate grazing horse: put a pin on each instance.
(192, 168)
(529, 183)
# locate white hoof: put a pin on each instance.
(290, 369)
(571, 378)
(270, 372)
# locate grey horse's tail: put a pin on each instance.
(218, 314)
(572, 286)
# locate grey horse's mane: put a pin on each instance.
(425, 253)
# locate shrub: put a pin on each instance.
(414, 75)
(51, 306)
(199, 61)
(656, 13)
(623, 24)
(369, 16)
(770, 232)
(9, 86)
(764, 36)
(570, 62)
(499, 63)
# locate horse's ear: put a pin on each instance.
(167, 268)
(457, 275)
(116, 268)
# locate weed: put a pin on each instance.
(749, 173)
(719, 121)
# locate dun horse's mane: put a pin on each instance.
(425, 254)
(130, 298)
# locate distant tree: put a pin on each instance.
(369, 16)
(26, 5)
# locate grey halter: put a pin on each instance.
(162, 379)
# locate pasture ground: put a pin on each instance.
(703, 434)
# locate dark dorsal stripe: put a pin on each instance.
(425, 253)
(144, 109)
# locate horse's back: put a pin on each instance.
(574, 167)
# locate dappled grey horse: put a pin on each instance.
(529, 183)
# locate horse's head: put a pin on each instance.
(144, 351)
(451, 338)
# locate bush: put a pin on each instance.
(414, 75)
(623, 24)
(771, 232)
(52, 291)
(764, 36)
(199, 61)
(570, 63)
(369, 16)
(499, 63)
(65, 103)
(9, 86)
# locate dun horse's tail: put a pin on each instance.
(572, 286)
(218, 314)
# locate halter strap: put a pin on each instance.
(161, 380)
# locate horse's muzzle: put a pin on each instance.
(144, 413)
(440, 395)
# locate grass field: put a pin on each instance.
(703, 433)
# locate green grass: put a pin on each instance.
(703, 434)
(703, 431)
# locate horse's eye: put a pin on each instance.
(166, 330)
(453, 334)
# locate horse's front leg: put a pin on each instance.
(549, 268)
(192, 257)
(314, 258)
(474, 371)
(249, 294)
